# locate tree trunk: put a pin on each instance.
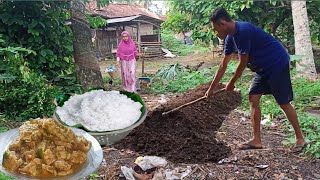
(146, 4)
(87, 67)
(306, 68)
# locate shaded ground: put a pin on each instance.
(187, 135)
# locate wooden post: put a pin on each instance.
(117, 34)
(159, 39)
(142, 61)
(139, 37)
(139, 47)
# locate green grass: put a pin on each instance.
(182, 82)
(4, 177)
(177, 47)
(3, 128)
(3, 121)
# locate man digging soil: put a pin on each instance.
(265, 56)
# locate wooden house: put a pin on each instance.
(143, 25)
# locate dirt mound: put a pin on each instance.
(187, 135)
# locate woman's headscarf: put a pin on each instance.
(127, 49)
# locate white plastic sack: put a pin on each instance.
(168, 53)
(177, 173)
(127, 172)
(149, 162)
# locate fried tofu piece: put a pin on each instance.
(83, 144)
(61, 153)
(61, 165)
(49, 169)
(29, 155)
(10, 161)
(48, 157)
(65, 144)
(15, 145)
(65, 173)
(78, 157)
(30, 169)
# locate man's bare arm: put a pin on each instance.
(244, 58)
(219, 74)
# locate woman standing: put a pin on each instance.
(126, 58)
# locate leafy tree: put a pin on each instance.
(36, 56)
(88, 70)
(39, 26)
(273, 16)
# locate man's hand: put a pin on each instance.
(244, 58)
(209, 92)
(230, 86)
(219, 74)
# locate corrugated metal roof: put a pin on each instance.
(120, 10)
(122, 19)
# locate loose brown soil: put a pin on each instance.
(187, 135)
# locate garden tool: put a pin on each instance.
(192, 102)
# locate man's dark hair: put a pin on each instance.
(220, 13)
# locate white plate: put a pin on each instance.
(94, 156)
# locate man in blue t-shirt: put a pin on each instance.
(264, 55)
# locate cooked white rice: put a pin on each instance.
(100, 110)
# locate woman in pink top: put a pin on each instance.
(126, 58)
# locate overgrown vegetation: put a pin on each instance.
(182, 82)
(304, 90)
(169, 72)
(178, 47)
(5, 177)
(39, 26)
(24, 93)
(35, 57)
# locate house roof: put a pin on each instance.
(120, 10)
(132, 19)
(122, 19)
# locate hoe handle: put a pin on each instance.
(192, 102)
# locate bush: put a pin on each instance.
(22, 100)
(24, 93)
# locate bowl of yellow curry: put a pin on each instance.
(45, 149)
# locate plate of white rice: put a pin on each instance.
(101, 111)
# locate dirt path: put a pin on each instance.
(281, 163)
(152, 65)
